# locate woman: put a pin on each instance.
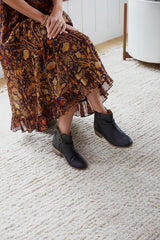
(53, 72)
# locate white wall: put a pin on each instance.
(101, 20)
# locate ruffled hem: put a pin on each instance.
(41, 123)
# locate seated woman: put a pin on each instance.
(53, 72)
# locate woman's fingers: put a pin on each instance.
(69, 27)
(63, 28)
(53, 28)
(48, 23)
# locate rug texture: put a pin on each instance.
(116, 198)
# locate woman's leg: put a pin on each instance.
(96, 101)
(65, 121)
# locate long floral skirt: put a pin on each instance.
(46, 78)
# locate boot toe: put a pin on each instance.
(78, 162)
(129, 141)
(124, 141)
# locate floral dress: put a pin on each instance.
(47, 77)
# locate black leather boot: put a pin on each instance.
(105, 126)
(63, 145)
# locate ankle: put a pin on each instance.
(103, 110)
(62, 130)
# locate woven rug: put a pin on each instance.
(116, 198)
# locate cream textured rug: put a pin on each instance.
(116, 198)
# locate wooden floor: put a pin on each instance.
(103, 47)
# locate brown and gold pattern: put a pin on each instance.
(46, 78)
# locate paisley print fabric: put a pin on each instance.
(46, 78)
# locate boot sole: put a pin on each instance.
(61, 155)
(57, 152)
(101, 136)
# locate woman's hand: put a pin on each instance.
(55, 23)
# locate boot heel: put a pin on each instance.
(98, 134)
(57, 152)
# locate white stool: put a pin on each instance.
(144, 30)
